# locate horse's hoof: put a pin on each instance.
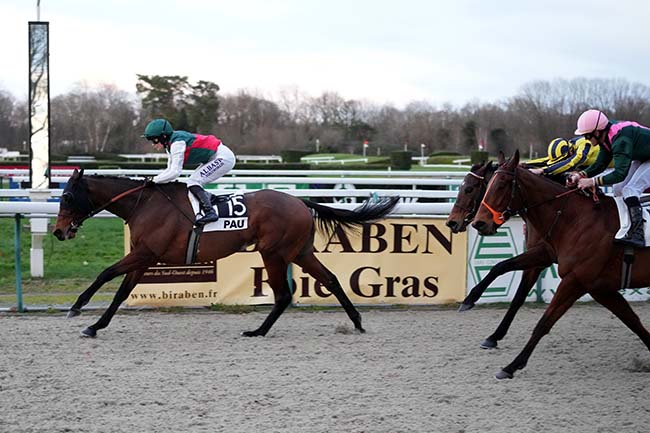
(74, 312)
(89, 332)
(465, 307)
(489, 344)
(360, 330)
(503, 375)
(252, 334)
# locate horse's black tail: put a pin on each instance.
(328, 217)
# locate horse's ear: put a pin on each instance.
(501, 158)
(75, 174)
(515, 158)
(81, 173)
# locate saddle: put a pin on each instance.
(233, 215)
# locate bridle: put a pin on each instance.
(476, 203)
(76, 224)
(499, 218)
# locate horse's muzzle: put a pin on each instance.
(454, 226)
(483, 228)
(67, 233)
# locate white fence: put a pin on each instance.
(341, 188)
(342, 185)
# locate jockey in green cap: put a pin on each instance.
(214, 160)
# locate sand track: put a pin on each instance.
(414, 371)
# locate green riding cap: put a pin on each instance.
(158, 127)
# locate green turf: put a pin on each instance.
(70, 265)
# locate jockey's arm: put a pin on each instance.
(569, 163)
(539, 163)
(622, 164)
(174, 164)
(602, 161)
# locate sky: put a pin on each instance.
(380, 51)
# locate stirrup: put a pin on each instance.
(209, 217)
(631, 240)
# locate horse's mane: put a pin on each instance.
(477, 166)
(133, 182)
(556, 186)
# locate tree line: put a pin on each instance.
(105, 119)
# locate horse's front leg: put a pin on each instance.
(122, 293)
(528, 278)
(567, 293)
(132, 261)
(537, 256)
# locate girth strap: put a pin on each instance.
(193, 245)
(628, 260)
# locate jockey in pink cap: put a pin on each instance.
(628, 145)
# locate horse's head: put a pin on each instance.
(496, 207)
(469, 196)
(75, 205)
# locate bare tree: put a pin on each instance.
(92, 120)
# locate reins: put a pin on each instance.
(76, 224)
(192, 220)
(501, 217)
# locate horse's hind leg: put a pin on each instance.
(617, 304)
(316, 269)
(276, 269)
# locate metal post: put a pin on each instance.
(19, 286)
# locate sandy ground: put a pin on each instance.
(414, 371)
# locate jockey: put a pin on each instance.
(565, 155)
(628, 144)
(186, 148)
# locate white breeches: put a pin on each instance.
(221, 163)
(636, 181)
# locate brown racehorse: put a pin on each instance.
(533, 261)
(160, 219)
(581, 235)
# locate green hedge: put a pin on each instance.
(442, 159)
(401, 160)
(478, 156)
(293, 155)
(272, 166)
(446, 153)
(379, 166)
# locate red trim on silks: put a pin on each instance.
(616, 128)
(209, 142)
(206, 142)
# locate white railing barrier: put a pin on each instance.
(389, 174)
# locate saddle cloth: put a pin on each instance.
(624, 220)
(231, 208)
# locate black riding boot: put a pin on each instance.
(634, 236)
(209, 215)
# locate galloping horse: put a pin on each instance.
(533, 261)
(160, 219)
(589, 260)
